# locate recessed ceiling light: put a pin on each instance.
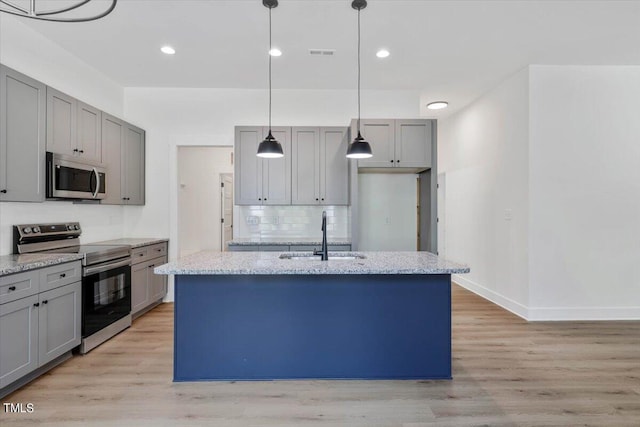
(168, 50)
(275, 52)
(437, 105)
(382, 53)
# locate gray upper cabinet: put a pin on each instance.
(261, 181)
(132, 163)
(112, 136)
(62, 114)
(380, 134)
(89, 132)
(320, 168)
(397, 143)
(123, 153)
(413, 143)
(22, 137)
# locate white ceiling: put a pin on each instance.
(453, 50)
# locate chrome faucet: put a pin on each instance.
(324, 253)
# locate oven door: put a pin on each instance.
(106, 295)
(71, 179)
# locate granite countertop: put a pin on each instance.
(134, 242)
(209, 262)
(252, 241)
(10, 264)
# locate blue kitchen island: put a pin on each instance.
(258, 316)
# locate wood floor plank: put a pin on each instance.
(507, 372)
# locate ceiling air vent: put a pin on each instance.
(322, 52)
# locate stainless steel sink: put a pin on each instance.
(298, 256)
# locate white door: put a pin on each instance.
(226, 209)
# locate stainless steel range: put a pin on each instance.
(106, 276)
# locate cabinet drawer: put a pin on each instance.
(139, 255)
(60, 275)
(19, 285)
(157, 250)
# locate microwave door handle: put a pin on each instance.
(97, 182)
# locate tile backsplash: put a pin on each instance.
(291, 221)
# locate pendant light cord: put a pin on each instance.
(269, 70)
(358, 71)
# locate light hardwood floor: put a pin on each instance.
(507, 372)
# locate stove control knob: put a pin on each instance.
(77, 227)
(36, 229)
(27, 230)
(69, 227)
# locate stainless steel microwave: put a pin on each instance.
(69, 177)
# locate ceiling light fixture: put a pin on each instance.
(48, 15)
(168, 50)
(437, 105)
(275, 52)
(359, 148)
(382, 53)
(270, 148)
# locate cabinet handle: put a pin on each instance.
(3, 191)
(391, 161)
(159, 250)
(323, 200)
(63, 275)
(397, 161)
(141, 254)
(12, 288)
(152, 265)
(81, 151)
(265, 199)
(259, 199)
(316, 199)
(75, 150)
(45, 301)
(36, 304)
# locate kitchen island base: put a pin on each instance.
(271, 327)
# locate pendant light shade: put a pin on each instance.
(359, 148)
(270, 148)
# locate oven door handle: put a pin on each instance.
(97, 183)
(106, 267)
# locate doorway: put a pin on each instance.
(226, 209)
(199, 197)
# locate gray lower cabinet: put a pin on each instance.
(261, 181)
(123, 152)
(397, 143)
(320, 169)
(147, 288)
(37, 328)
(22, 137)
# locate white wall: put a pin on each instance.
(585, 192)
(555, 149)
(387, 218)
(483, 153)
(27, 51)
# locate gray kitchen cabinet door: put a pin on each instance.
(132, 185)
(276, 173)
(334, 166)
(157, 282)
(61, 122)
(59, 319)
(380, 134)
(112, 142)
(413, 143)
(22, 137)
(247, 165)
(305, 166)
(139, 287)
(18, 339)
(89, 133)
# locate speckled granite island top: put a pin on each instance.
(293, 241)
(134, 242)
(10, 264)
(232, 263)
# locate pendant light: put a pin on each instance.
(270, 148)
(359, 148)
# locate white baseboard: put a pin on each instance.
(583, 313)
(537, 314)
(496, 298)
